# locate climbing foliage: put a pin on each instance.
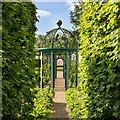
(18, 53)
(99, 69)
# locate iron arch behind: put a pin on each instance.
(67, 36)
(70, 45)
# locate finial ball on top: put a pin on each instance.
(59, 23)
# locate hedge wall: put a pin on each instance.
(0, 60)
(100, 66)
(98, 93)
(18, 35)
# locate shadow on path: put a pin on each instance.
(60, 111)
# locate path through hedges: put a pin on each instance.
(59, 107)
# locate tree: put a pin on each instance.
(75, 16)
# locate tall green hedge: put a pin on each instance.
(18, 35)
(98, 93)
(0, 60)
(100, 66)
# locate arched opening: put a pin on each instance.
(60, 68)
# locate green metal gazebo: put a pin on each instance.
(67, 43)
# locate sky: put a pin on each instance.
(50, 13)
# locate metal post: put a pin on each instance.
(52, 70)
(66, 83)
(63, 69)
(41, 71)
(55, 67)
(76, 68)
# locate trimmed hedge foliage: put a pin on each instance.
(76, 102)
(98, 93)
(18, 35)
(42, 103)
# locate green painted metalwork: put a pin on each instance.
(55, 68)
(57, 49)
(67, 70)
(52, 70)
(66, 64)
(76, 69)
(54, 38)
(41, 71)
(63, 69)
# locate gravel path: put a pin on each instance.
(60, 110)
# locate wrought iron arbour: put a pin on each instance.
(68, 43)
